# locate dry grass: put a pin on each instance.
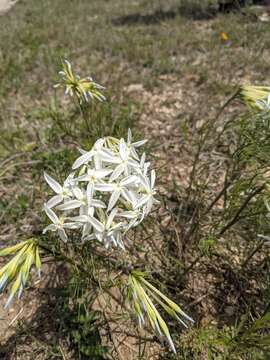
(166, 74)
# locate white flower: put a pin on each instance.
(106, 230)
(98, 153)
(93, 177)
(132, 146)
(124, 161)
(62, 192)
(109, 192)
(147, 199)
(117, 189)
(83, 200)
(59, 224)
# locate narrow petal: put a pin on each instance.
(70, 205)
(98, 204)
(55, 200)
(51, 215)
(142, 202)
(53, 183)
(111, 217)
(129, 180)
(50, 227)
(113, 199)
(117, 172)
(153, 178)
(123, 149)
(96, 224)
(63, 235)
(82, 160)
(102, 173)
(129, 137)
(139, 143)
(105, 187)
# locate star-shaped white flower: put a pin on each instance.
(106, 230)
(132, 146)
(124, 161)
(83, 200)
(117, 189)
(98, 153)
(147, 200)
(93, 177)
(58, 224)
(63, 192)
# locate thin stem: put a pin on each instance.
(257, 248)
(242, 207)
(62, 256)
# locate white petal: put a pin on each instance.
(128, 214)
(53, 184)
(129, 138)
(142, 202)
(81, 218)
(129, 196)
(86, 230)
(99, 143)
(99, 174)
(139, 143)
(96, 224)
(153, 178)
(98, 204)
(63, 235)
(72, 225)
(89, 193)
(117, 172)
(111, 217)
(55, 200)
(133, 163)
(50, 227)
(82, 160)
(113, 199)
(129, 180)
(105, 187)
(107, 156)
(53, 217)
(70, 205)
(97, 161)
(145, 182)
(82, 151)
(123, 149)
(78, 193)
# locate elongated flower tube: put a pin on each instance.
(26, 254)
(256, 97)
(110, 190)
(142, 295)
(84, 89)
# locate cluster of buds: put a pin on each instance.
(84, 89)
(109, 191)
(256, 97)
(25, 255)
(142, 296)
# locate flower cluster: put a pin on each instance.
(84, 89)
(109, 191)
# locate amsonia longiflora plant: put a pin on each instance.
(109, 191)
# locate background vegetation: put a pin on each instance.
(169, 67)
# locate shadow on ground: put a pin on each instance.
(190, 12)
